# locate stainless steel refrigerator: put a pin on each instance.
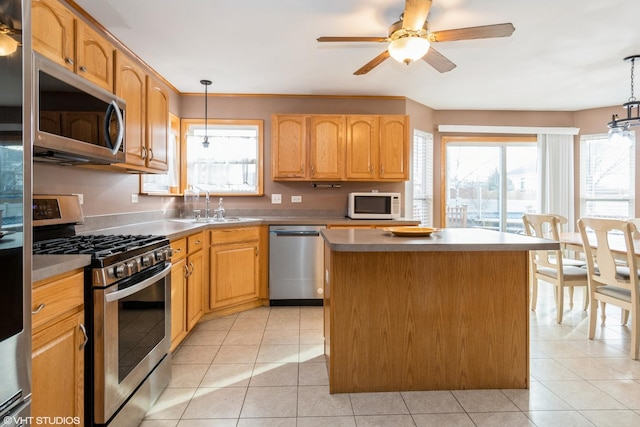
(15, 213)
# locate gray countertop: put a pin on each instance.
(45, 266)
(449, 239)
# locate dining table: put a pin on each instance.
(572, 241)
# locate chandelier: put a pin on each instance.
(205, 142)
(619, 127)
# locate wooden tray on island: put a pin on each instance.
(412, 231)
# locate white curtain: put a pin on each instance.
(555, 174)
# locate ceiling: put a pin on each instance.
(565, 55)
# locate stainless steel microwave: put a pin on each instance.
(374, 206)
(76, 122)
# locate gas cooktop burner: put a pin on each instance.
(99, 246)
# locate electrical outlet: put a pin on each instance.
(134, 198)
(276, 199)
(296, 199)
(80, 198)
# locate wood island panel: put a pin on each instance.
(426, 320)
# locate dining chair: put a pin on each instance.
(568, 273)
(613, 278)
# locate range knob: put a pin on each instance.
(147, 261)
(121, 271)
(133, 267)
(160, 255)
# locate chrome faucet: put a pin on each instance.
(206, 199)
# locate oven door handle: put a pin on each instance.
(117, 295)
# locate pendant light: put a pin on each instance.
(205, 142)
(619, 127)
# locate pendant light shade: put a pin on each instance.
(619, 127)
(206, 83)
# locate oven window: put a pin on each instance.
(141, 326)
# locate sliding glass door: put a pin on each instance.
(489, 184)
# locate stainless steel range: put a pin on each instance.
(127, 306)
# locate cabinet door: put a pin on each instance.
(178, 302)
(52, 32)
(58, 370)
(131, 86)
(157, 125)
(195, 264)
(234, 274)
(326, 147)
(394, 148)
(288, 146)
(94, 56)
(362, 147)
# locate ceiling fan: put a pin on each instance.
(410, 39)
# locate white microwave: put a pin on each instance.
(374, 206)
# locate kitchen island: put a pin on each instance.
(444, 312)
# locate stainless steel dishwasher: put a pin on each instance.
(296, 259)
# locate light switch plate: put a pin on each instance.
(276, 199)
(134, 198)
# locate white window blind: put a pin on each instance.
(607, 175)
(422, 174)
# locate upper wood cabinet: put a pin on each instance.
(60, 36)
(131, 85)
(157, 125)
(340, 148)
(288, 147)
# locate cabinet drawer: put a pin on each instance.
(195, 242)
(57, 297)
(179, 249)
(230, 235)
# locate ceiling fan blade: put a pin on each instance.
(438, 61)
(372, 64)
(482, 32)
(352, 39)
(415, 14)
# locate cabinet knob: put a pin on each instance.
(83, 69)
(68, 61)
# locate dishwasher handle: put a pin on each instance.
(291, 233)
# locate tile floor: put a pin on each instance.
(265, 367)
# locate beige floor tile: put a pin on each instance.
(256, 313)
(216, 403)
(283, 322)
(274, 374)
(237, 354)
(187, 375)
(194, 354)
(311, 336)
(582, 395)
(431, 402)
(501, 419)
(623, 418)
(267, 422)
(559, 349)
(159, 423)
(316, 401)
(281, 336)
(311, 322)
(312, 353)
(537, 398)
(171, 404)
(249, 324)
(591, 369)
(626, 392)
(378, 403)
(205, 337)
(227, 375)
(262, 402)
(630, 368)
(311, 373)
(550, 369)
(483, 401)
(559, 419)
(326, 421)
(441, 420)
(211, 422)
(236, 337)
(384, 421)
(278, 353)
(285, 311)
(219, 324)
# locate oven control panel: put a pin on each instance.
(110, 274)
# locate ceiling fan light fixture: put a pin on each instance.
(7, 44)
(408, 49)
(619, 127)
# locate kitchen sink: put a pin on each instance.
(229, 219)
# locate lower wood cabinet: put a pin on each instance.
(187, 283)
(234, 262)
(58, 347)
